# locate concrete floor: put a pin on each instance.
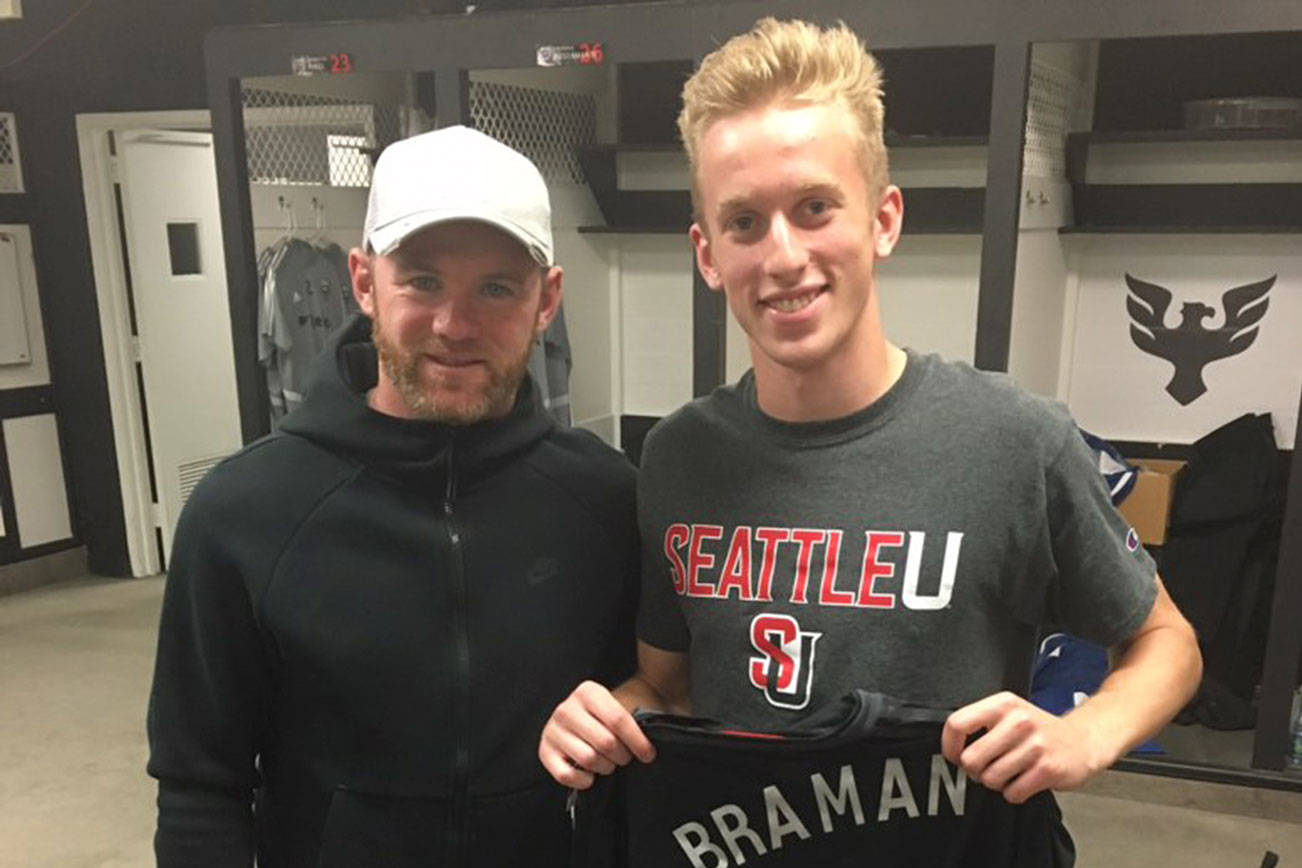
(75, 665)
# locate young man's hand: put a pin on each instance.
(590, 734)
(1023, 749)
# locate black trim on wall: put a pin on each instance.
(16, 555)
(225, 102)
(1200, 207)
(1002, 205)
(30, 401)
(1142, 83)
(8, 542)
(709, 327)
(16, 208)
(451, 96)
(632, 433)
(1210, 774)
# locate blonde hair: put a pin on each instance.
(787, 62)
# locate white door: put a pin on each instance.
(178, 282)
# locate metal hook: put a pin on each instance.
(287, 208)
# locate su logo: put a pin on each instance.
(784, 669)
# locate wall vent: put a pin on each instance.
(191, 472)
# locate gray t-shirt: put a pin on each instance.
(913, 548)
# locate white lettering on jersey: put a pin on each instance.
(896, 792)
(846, 796)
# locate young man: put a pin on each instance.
(370, 614)
(852, 514)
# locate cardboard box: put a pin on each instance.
(1148, 507)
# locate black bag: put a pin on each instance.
(1219, 562)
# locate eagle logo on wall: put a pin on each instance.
(1189, 346)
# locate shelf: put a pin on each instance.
(897, 141)
(617, 148)
(634, 230)
(1236, 208)
(1180, 230)
(944, 210)
(927, 211)
(1150, 136)
(892, 141)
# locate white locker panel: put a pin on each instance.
(1120, 391)
(928, 292)
(1039, 303)
(14, 347)
(22, 339)
(36, 473)
(736, 351)
(656, 295)
(589, 308)
(652, 170)
(1244, 162)
(960, 166)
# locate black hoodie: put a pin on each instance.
(366, 624)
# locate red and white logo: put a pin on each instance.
(784, 671)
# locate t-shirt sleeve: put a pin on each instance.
(1104, 581)
(660, 620)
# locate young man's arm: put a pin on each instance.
(1025, 750)
(593, 730)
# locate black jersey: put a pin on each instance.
(863, 783)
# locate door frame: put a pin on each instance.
(98, 176)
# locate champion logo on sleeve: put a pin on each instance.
(1132, 540)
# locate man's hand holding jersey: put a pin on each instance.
(593, 731)
(590, 734)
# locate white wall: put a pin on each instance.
(36, 370)
(655, 289)
(928, 289)
(1241, 162)
(36, 474)
(591, 305)
(1035, 348)
(340, 210)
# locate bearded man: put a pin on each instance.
(370, 613)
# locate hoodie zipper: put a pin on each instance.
(461, 703)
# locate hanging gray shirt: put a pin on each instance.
(307, 296)
(913, 548)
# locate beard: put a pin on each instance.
(436, 398)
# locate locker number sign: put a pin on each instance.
(322, 64)
(583, 54)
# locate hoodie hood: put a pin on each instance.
(335, 415)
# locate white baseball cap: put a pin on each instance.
(457, 173)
